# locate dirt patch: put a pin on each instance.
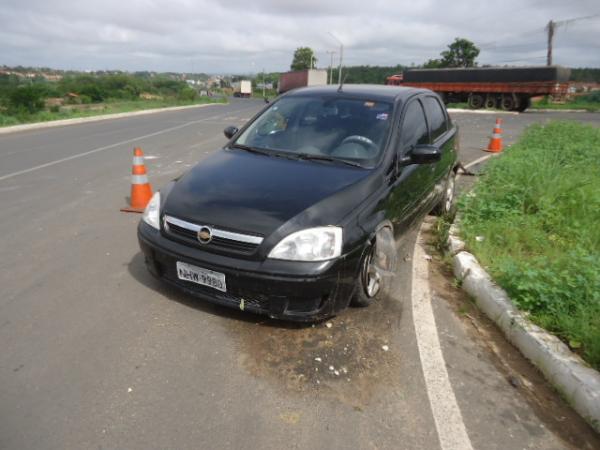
(552, 410)
(346, 358)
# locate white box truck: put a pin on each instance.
(242, 88)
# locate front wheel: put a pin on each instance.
(376, 270)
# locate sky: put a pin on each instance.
(248, 36)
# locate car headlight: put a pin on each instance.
(312, 244)
(152, 212)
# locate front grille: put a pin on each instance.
(183, 232)
(221, 240)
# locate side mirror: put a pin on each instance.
(230, 131)
(425, 154)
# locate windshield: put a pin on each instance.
(325, 128)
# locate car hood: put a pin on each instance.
(256, 193)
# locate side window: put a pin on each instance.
(414, 127)
(436, 116)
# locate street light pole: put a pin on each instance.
(263, 82)
(341, 56)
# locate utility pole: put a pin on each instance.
(341, 57)
(550, 27)
(263, 82)
(331, 66)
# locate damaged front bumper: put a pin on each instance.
(299, 291)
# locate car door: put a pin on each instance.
(442, 135)
(413, 181)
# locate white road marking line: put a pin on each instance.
(477, 161)
(96, 150)
(100, 149)
(448, 420)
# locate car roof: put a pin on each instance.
(371, 91)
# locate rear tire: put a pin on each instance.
(447, 204)
(524, 103)
(507, 103)
(475, 101)
(490, 102)
(376, 270)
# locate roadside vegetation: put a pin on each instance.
(589, 102)
(36, 100)
(533, 220)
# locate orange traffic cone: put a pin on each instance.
(495, 145)
(141, 191)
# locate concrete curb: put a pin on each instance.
(65, 122)
(558, 110)
(566, 371)
(482, 111)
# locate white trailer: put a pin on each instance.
(242, 88)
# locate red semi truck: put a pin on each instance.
(508, 88)
(301, 78)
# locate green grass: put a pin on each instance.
(458, 105)
(97, 109)
(576, 104)
(533, 220)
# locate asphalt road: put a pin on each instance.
(97, 354)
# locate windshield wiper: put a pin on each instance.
(328, 159)
(247, 148)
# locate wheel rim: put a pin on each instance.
(449, 194)
(371, 277)
(476, 101)
(508, 103)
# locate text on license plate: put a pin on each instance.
(201, 276)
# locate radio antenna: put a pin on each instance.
(342, 83)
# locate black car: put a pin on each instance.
(297, 216)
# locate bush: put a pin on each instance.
(593, 97)
(187, 94)
(28, 98)
(537, 208)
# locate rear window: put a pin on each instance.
(437, 118)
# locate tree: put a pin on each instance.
(461, 53)
(433, 64)
(303, 58)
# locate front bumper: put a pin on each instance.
(289, 290)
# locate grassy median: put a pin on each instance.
(99, 109)
(533, 220)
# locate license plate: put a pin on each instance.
(201, 276)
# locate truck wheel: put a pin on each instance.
(376, 270)
(475, 101)
(490, 102)
(524, 103)
(508, 103)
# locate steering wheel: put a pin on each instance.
(361, 140)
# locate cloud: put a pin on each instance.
(238, 36)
